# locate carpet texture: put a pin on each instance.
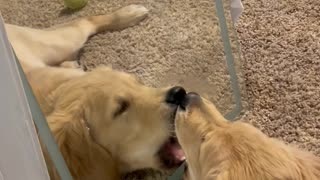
(179, 43)
(280, 42)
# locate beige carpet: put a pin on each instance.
(179, 43)
(280, 41)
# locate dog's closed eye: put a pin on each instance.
(122, 107)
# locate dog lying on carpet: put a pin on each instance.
(106, 123)
(217, 149)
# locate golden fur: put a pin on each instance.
(218, 149)
(105, 122)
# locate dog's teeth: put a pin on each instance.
(182, 158)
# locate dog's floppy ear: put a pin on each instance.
(72, 137)
(78, 147)
(69, 124)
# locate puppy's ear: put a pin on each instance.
(72, 102)
(78, 147)
(73, 140)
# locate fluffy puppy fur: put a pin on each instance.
(222, 150)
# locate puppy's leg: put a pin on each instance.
(55, 45)
(70, 64)
(120, 19)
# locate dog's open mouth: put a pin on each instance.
(171, 154)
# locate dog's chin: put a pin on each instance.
(171, 154)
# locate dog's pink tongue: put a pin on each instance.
(177, 152)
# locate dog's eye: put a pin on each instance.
(123, 106)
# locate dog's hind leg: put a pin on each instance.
(55, 45)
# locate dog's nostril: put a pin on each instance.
(175, 95)
(190, 99)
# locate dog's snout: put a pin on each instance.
(191, 99)
(175, 95)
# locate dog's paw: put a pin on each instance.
(70, 64)
(129, 16)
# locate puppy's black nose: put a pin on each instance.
(191, 99)
(175, 95)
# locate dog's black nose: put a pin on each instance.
(191, 99)
(175, 95)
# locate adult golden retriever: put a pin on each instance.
(217, 149)
(106, 123)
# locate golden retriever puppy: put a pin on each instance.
(106, 123)
(217, 149)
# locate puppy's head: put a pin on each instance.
(135, 123)
(195, 119)
(197, 122)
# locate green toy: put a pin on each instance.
(75, 4)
